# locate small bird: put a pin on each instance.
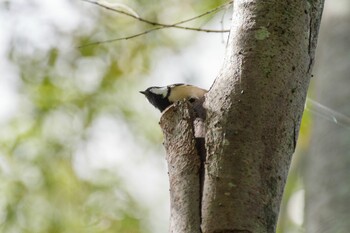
(163, 97)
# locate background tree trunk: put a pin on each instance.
(254, 110)
(327, 171)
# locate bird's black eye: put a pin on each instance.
(192, 100)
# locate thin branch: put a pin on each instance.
(176, 25)
(222, 23)
(121, 38)
(161, 25)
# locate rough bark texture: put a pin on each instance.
(254, 110)
(327, 171)
(183, 167)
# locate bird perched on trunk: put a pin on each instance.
(163, 97)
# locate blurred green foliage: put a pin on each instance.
(62, 92)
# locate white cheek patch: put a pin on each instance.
(160, 91)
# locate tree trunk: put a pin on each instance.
(183, 168)
(254, 110)
(327, 171)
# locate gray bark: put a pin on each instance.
(183, 168)
(254, 110)
(327, 171)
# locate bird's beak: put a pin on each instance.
(143, 92)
